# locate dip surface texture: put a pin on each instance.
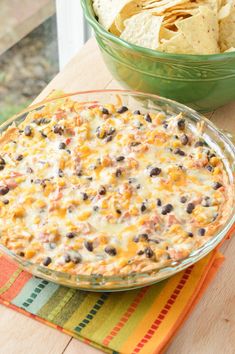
(91, 189)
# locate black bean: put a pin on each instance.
(140, 253)
(62, 146)
(42, 121)
(52, 245)
(144, 237)
(60, 173)
(165, 125)
(148, 252)
(181, 124)
(21, 254)
(190, 208)
(148, 118)
(71, 234)
(155, 172)
(47, 261)
(2, 167)
(43, 134)
(132, 180)
(118, 172)
(111, 131)
(2, 161)
(44, 182)
(201, 232)
(190, 234)
(109, 138)
(141, 237)
(58, 130)
(167, 209)
(89, 178)
(210, 168)
(183, 199)
(159, 202)
(67, 258)
(78, 172)
(137, 112)
(122, 109)
(138, 186)
(118, 211)
(120, 158)
(211, 155)
(206, 202)
(104, 110)
(77, 259)
(180, 152)
(143, 208)
(154, 240)
(110, 250)
(217, 185)
(19, 157)
(4, 190)
(88, 245)
(135, 143)
(27, 130)
(184, 139)
(84, 196)
(199, 143)
(95, 208)
(5, 201)
(102, 190)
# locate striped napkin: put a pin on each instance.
(137, 321)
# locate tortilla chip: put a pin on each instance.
(166, 34)
(174, 26)
(232, 49)
(201, 31)
(160, 7)
(215, 5)
(118, 24)
(143, 30)
(225, 11)
(177, 44)
(108, 10)
(227, 31)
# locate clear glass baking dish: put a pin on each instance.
(145, 102)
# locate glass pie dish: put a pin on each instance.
(146, 103)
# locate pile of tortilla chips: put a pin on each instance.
(173, 26)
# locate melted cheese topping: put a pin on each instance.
(99, 189)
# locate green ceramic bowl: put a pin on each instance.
(203, 82)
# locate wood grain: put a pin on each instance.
(22, 335)
(86, 71)
(76, 347)
(209, 329)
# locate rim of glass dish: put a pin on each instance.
(90, 16)
(174, 266)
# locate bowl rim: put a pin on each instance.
(78, 280)
(90, 16)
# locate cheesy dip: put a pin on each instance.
(101, 189)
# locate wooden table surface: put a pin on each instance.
(210, 328)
